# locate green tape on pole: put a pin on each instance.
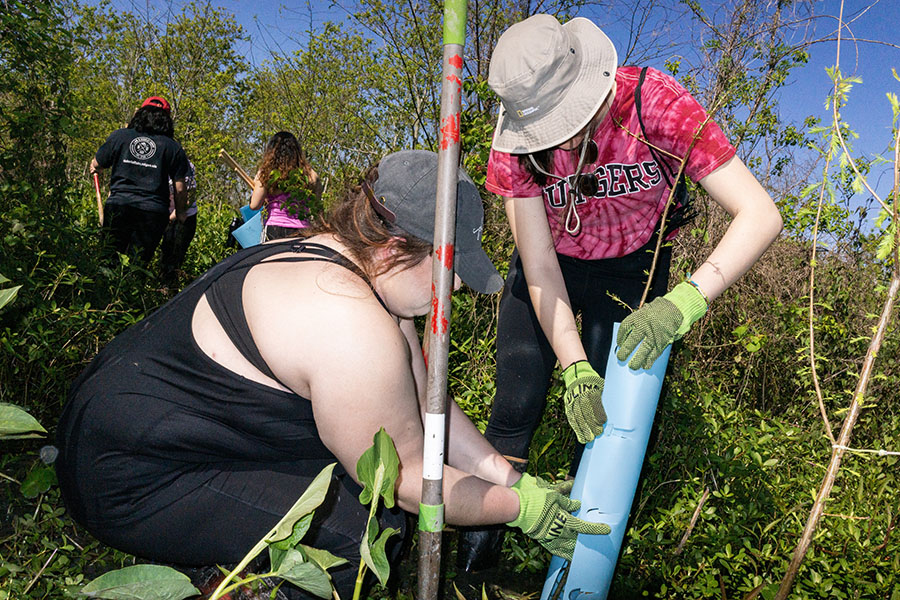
(431, 517)
(455, 22)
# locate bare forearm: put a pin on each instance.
(468, 500)
(546, 286)
(547, 291)
(755, 226)
(181, 197)
(743, 243)
(259, 194)
(470, 452)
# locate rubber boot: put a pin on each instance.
(479, 548)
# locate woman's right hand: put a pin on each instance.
(545, 515)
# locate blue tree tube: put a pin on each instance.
(250, 233)
(607, 478)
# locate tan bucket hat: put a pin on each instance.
(551, 79)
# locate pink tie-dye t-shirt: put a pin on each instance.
(632, 194)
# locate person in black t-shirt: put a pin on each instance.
(142, 158)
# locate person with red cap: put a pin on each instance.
(142, 158)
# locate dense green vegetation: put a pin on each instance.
(740, 446)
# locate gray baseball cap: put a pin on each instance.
(405, 195)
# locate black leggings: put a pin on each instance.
(175, 242)
(134, 230)
(525, 360)
(277, 232)
(220, 521)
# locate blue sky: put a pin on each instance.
(275, 25)
(868, 112)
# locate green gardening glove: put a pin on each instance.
(584, 410)
(563, 486)
(659, 323)
(545, 516)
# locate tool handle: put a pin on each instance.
(99, 198)
(226, 158)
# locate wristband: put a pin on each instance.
(699, 289)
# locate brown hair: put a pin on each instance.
(363, 231)
(544, 159)
(283, 153)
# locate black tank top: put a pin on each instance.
(153, 416)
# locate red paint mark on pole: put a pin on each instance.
(450, 131)
(455, 79)
(455, 61)
(439, 322)
(434, 310)
(445, 255)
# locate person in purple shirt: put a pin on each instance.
(285, 186)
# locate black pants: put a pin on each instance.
(219, 522)
(525, 360)
(277, 232)
(134, 230)
(175, 242)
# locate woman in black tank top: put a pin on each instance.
(192, 433)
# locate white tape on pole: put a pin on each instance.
(433, 465)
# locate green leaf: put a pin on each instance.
(305, 575)
(38, 481)
(277, 550)
(383, 455)
(15, 421)
(323, 558)
(372, 549)
(141, 582)
(308, 502)
(8, 295)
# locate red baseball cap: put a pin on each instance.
(157, 101)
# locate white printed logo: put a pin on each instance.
(143, 148)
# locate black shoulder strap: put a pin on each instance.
(663, 167)
(683, 212)
(226, 303)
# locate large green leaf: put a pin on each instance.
(323, 558)
(308, 502)
(15, 422)
(277, 550)
(141, 582)
(372, 549)
(8, 295)
(305, 574)
(383, 455)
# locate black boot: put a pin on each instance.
(478, 548)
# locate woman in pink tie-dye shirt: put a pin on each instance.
(585, 155)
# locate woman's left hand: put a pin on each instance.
(656, 325)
